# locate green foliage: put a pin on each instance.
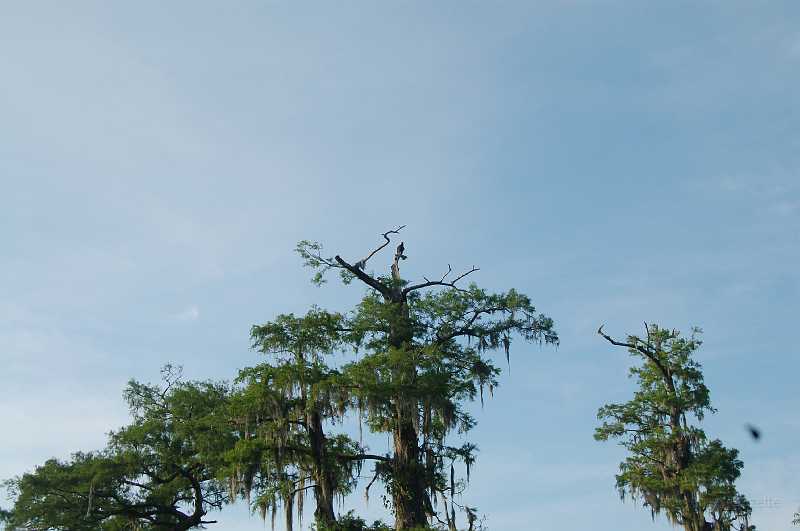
(151, 471)
(56, 495)
(182, 423)
(311, 253)
(191, 447)
(351, 522)
(672, 466)
(423, 356)
(278, 411)
(453, 331)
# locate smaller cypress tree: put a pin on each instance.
(158, 473)
(672, 466)
(280, 413)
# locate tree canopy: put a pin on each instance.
(424, 352)
(407, 361)
(417, 389)
(157, 473)
(672, 466)
(280, 412)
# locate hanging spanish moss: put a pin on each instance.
(301, 489)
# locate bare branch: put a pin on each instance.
(357, 269)
(295, 491)
(449, 270)
(363, 457)
(366, 491)
(451, 284)
(361, 264)
(649, 352)
(459, 277)
(367, 279)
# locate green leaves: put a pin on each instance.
(310, 253)
(423, 358)
(156, 473)
(280, 409)
(416, 360)
(672, 467)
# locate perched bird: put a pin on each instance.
(755, 433)
(400, 250)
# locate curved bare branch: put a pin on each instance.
(365, 278)
(361, 264)
(649, 352)
(441, 282)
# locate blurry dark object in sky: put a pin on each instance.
(754, 432)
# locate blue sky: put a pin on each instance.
(617, 161)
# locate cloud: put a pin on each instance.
(191, 313)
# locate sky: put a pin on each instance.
(619, 162)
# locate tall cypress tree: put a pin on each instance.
(423, 354)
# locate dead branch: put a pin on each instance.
(365, 278)
(441, 282)
(361, 264)
(357, 269)
(449, 270)
(649, 352)
(366, 491)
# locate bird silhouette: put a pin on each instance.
(755, 433)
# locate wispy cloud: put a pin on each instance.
(190, 313)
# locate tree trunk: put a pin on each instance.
(408, 490)
(323, 476)
(694, 518)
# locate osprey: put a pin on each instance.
(400, 250)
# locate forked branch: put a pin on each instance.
(361, 264)
(449, 270)
(365, 278)
(441, 282)
(358, 269)
(649, 352)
